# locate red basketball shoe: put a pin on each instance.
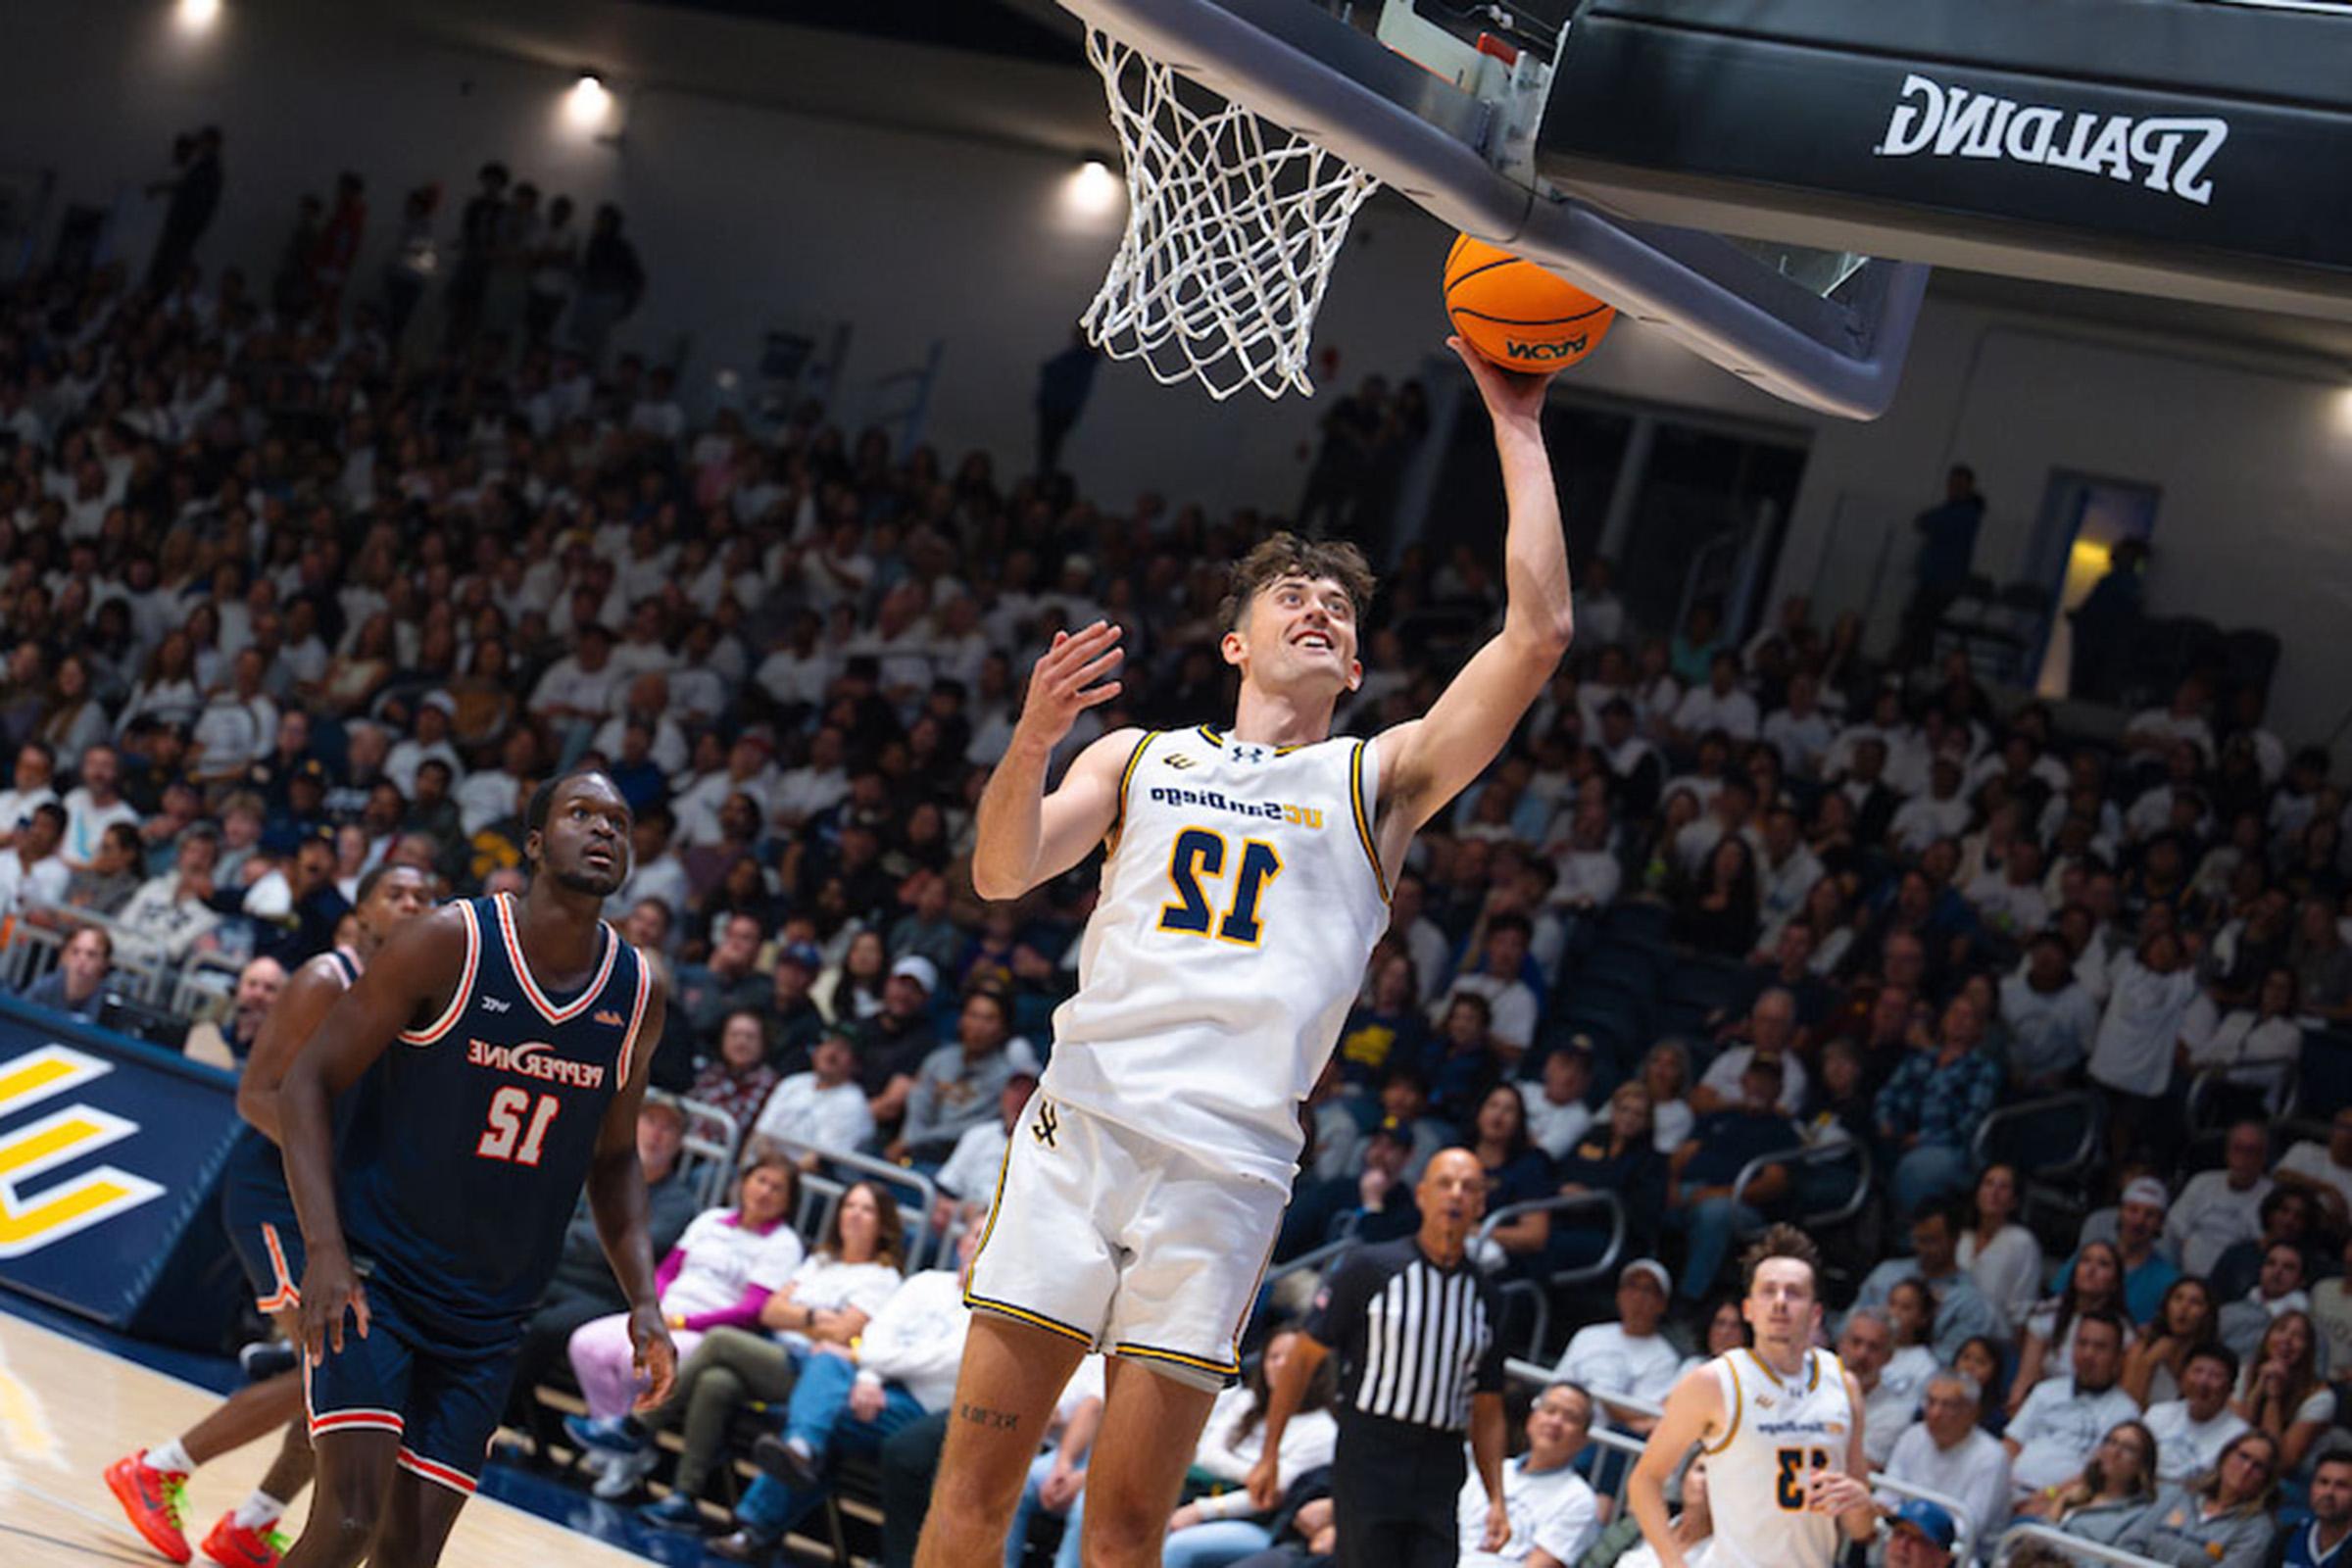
(232, 1545)
(155, 1501)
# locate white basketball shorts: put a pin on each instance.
(1125, 1244)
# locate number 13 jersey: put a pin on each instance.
(1240, 899)
(1781, 1431)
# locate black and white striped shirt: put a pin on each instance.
(1415, 1341)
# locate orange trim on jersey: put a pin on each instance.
(288, 1294)
(457, 1481)
(465, 992)
(530, 984)
(1363, 816)
(628, 1042)
(1738, 1409)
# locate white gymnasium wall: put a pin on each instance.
(748, 217)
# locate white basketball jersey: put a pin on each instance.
(1241, 899)
(1781, 1431)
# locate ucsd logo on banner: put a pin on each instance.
(37, 1213)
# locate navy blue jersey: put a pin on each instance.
(470, 1147)
(256, 1167)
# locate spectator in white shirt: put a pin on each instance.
(648, 704)
(2009, 898)
(1866, 1346)
(814, 787)
(720, 1273)
(1589, 875)
(33, 785)
(2053, 1433)
(1800, 732)
(968, 1182)
(1770, 1030)
(1787, 870)
(822, 1109)
(575, 694)
(2158, 729)
(749, 772)
(2000, 1254)
(2254, 1048)
(1554, 1515)
(2219, 1209)
(1946, 1451)
(1556, 1112)
(1222, 1526)
(32, 871)
(1629, 1356)
(2049, 1014)
(796, 673)
(2139, 1034)
(238, 723)
(1497, 977)
(1718, 705)
(431, 740)
(1942, 812)
(97, 804)
(2324, 1169)
(171, 912)
(2192, 1431)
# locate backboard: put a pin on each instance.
(1767, 181)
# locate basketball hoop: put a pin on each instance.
(1233, 226)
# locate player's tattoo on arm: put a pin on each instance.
(980, 1415)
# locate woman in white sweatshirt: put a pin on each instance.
(1220, 1526)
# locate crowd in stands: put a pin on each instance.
(288, 596)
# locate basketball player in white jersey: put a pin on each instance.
(1246, 882)
(1781, 1425)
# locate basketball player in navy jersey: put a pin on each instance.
(259, 1214)
(509, 1038)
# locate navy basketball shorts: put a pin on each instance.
(267, 1239)
(443, 1401)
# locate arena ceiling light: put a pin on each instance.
(197, 16)
(1093, 190)
(588, 102)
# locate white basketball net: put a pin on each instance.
(1233, 226)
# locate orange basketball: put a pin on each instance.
(1518, 315)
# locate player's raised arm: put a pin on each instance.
(410, 979)
(616, 1198)
(1026, 835)
(1426, 761)
(1691, 1412)
(306, 999)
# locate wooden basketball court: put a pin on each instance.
(68, 1410)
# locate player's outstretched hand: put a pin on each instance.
(656, 1358)
(1071, 677)
(328, 1289)
(1265, 1485)
(1510, 395)
(1834, 1492)
(1498, 1526)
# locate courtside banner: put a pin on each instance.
(111, 1154)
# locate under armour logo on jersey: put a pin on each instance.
(1249, 754)
(493, 1004)
(1046, 1126)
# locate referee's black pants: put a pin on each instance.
(1395, 1488)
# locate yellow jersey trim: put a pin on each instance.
(1738, 1409)
(1218, 741)
(1363, 817)
(1118, 816)
(1148, 1352)
(1021, 1314)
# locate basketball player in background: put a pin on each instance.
(259, 1214)
(525, 1026)
(1246, 882)
(1781, 1425)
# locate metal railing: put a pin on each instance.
(1538, 1291)
(2279, 1083)
(707, 1156)
(2075, 1548)
(2087, 1145)
(821, 1195)
(1799, 1154)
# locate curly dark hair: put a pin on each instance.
(1285, 554)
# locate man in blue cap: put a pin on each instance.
(1923, 1536)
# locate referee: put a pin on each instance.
(1414, 1324)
